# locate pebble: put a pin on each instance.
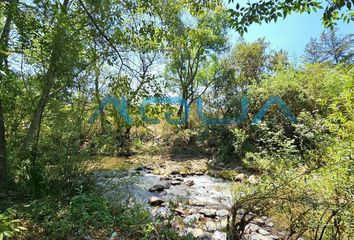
(190, 183)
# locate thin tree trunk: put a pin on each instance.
(4, 40)
(181, 108)
(98, 98)
(49, 77)
(33, 130)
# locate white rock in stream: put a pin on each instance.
(221, 225)
(222, 213)
(252, 179)
(257, 236)
(240, 177)
(210, 226)
(191, 219)
(263, 232)
(157, 188)
(154, 201)
(199, 233)
(219, 236)
(174, 183)
(196, 203)
(208, 212)
(250, 228)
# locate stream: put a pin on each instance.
(201, 202)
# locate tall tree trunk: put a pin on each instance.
(4, 41)
(181, 108)
(33, 131)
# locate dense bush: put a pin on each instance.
(307, 166)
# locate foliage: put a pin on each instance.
(243, 16)
(306, 167)
(59, 59)
(9, 226)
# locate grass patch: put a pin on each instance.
(113, 163)
(85, 216)
(229, 174)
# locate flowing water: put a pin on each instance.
(211, 191)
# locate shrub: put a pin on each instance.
(9, 225)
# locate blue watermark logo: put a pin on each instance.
(121, 107)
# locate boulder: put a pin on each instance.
(240, 177)
(196, 203)
(162, 212)
(174, 183)
(165, 177)
(219, 236)
(250, 228)
(208, 212)
(252, 179)
(269, 223)
(199, 234)
(157, 188)
(264, 232)
(210, 226)
(257, 236)
(191, 219)
(155, 201)
(175, 172)
(222, 224)
(222, 213)
(180, 179)
(180, 211)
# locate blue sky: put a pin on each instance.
(291, 34)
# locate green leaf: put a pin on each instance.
(3, 73)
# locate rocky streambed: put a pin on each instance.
(197, 203)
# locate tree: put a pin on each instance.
(330, 48)
(249, 61)
(4, 41)
(246, 64)
(190, 46)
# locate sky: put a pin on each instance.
(291, 34)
